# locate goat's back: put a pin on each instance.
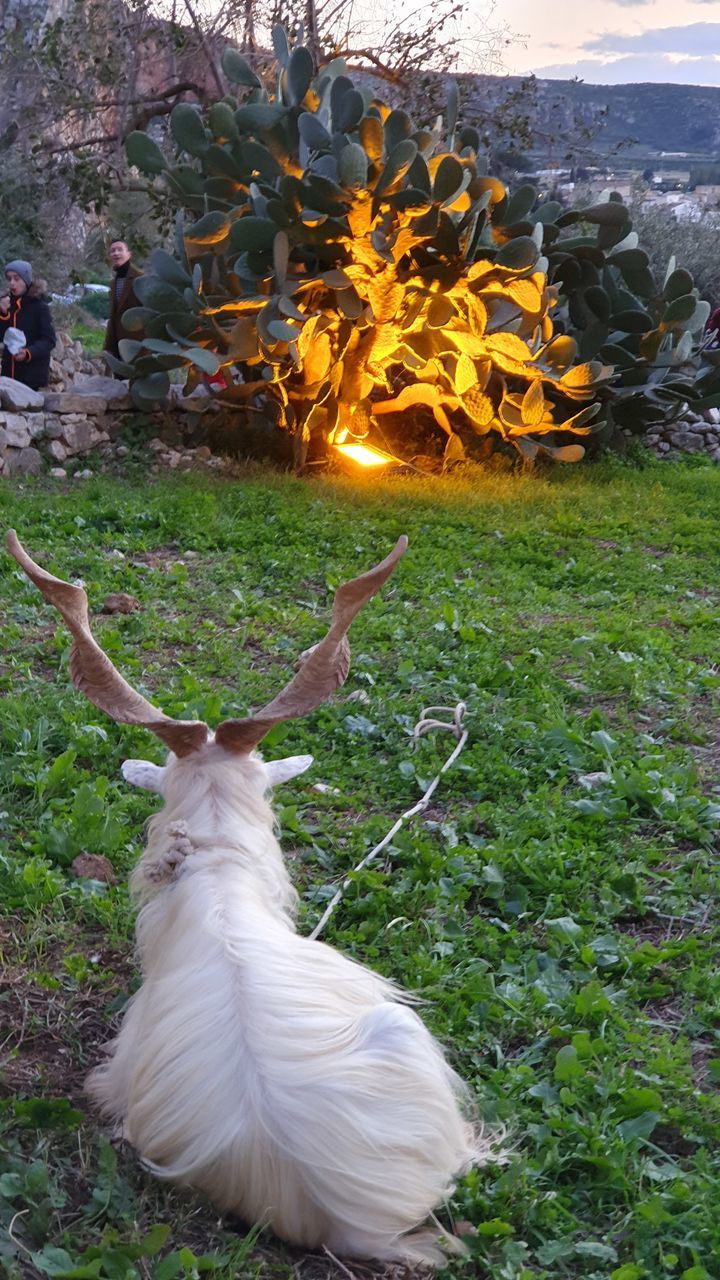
(289, 1083)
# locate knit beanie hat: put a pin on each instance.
(22, 269)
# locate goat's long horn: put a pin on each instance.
(323, 671)
(93, 672)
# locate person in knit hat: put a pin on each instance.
(26, 327)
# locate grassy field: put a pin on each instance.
(554, 907)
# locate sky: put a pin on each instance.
(612, 41)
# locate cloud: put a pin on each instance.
(636, 69)
(698, 39)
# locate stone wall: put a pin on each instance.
(39, 428)
(694, 433)
(83, 414)
(48, 429)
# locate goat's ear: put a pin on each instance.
(141, 773)
(290, 767)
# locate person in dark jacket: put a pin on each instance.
(122, 296)
(23, 309)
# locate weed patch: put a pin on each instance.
(554, 909)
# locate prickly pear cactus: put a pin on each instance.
(611, 304)
(340, 265)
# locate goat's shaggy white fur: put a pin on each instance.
(292, 1085)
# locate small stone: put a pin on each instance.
(157, 445)
(93, 866)
(712, 415)
(122, 451)
(664, 447)
(57, 473)
(53, 427)
(3, 438)
(463, 1228)
(120, 602)
(191, 555)
(116, 554)
(87, 474)
(57, 451)
(203, 453)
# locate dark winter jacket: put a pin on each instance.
(31, 314)
(118, 306)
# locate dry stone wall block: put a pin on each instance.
(77, 435)
(25, 462)
(70, 402)
(115, 390)
(688, 441)
(15, 395)
(16, 427)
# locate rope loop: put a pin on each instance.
(427, 723)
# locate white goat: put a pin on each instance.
(292, 1085)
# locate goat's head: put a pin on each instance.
(322, 669)
(152, 777)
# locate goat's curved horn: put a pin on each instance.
(93, 672)
(324, 669)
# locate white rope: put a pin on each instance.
(426, 724)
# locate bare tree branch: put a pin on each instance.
(206, 49)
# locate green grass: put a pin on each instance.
(85, 323)
(91, 336)
(560, 925)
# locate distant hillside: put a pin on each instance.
(658, 117)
